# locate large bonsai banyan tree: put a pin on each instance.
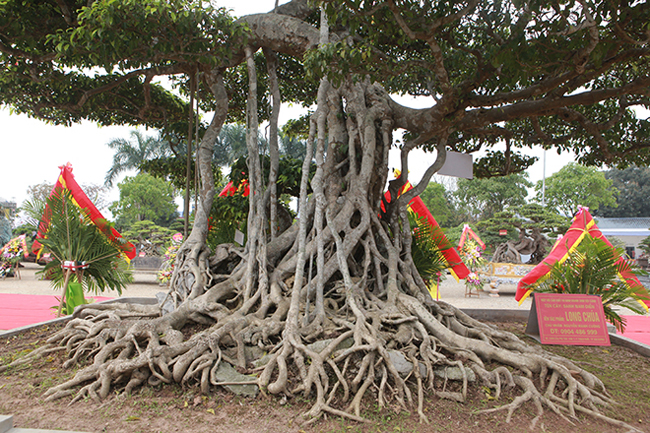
(335, 299)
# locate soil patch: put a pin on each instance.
(176, 409)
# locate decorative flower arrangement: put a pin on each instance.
(11, 254)
(472, 255)
(167, 268)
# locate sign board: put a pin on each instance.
(569, 319)
(458, 165)
(239, 237)
(503, 232)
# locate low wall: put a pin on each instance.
(147, 262)
(504, 273)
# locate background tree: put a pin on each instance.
(435, 198)
(506, 74)
(292, 147)
(148, 237)
(576, 185)
(478, 199)
(129, 154)
(231, 144)
(144, 197)
(633, 185)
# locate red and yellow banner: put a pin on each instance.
(469, 233)
(454, 262)
(583, 225)
(67, 181)
(229, 190)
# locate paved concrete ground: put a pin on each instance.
(146, 285)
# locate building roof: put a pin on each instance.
(623, 223)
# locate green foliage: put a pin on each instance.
(491, 55)
(592, 269)
(478, 199)
(426, 247)
(129, 154)
(289, 173)
(575, 185)
(454, 233)
(228, 215)
(230, 145)
(633, 185)
(72, 236)
(644, 245)
(144, 197)
(435, 198)
(528, 217)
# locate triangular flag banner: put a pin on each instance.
(583, 224)
(456, 266)
(469, 233)
(229, 190)
(67, 181)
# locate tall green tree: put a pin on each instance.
(435, 198)
(498, 77)
(130, 154)
(575, 185)
(144, 197)
(478, 199)
(230, 145)
(633, 185)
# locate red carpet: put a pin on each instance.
(23, 310)
(638, 329)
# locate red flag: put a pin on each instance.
(583, 224)
(416, 205)
(67, 181)
(229, 190)
(469, 233)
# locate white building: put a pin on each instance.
(630, 231)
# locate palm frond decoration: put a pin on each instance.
(427, 246)
(594, 268)
(72, 237)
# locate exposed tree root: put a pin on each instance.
(125, 353)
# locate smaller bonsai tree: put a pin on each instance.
(81, 249)
(595, 268)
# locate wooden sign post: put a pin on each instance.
(568, 319)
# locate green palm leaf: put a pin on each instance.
(72, 236)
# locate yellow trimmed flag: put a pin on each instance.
(583, 224)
